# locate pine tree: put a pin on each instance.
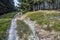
(6, 6)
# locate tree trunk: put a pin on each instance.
(33, 8)
(43, 5)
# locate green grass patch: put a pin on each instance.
(8, 15)
(46, 19)
(23, 30)
(5, 24)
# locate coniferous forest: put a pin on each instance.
(6, 6)
(40, 4)
(31, 5)
(29, 19)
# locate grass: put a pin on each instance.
(8, 15)
(5, 24)
(23, 30)
(45, 19)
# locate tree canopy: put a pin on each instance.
(30, 4)
(6, 6)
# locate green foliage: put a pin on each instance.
(23, 29)
(29, 5)
(46, 19)
(57, 25)
(5, 24)
(8, 15)
(6, 6)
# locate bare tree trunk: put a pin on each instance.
(38, 5)
(49, 5)
(57, 4)
(44, 5)
(33, 8)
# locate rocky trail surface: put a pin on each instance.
(39, 33)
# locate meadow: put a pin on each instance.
(52, 20)
(5, 24)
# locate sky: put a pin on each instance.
(16, 2)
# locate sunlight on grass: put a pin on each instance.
(46, 19)
(5, 24)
